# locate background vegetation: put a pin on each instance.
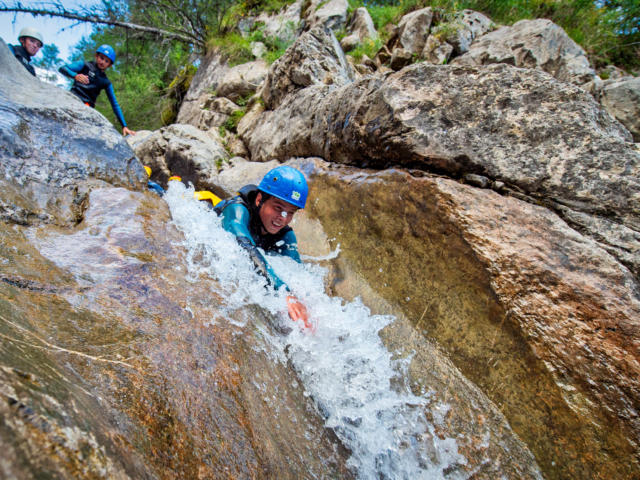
(151, 75)
(608, 30)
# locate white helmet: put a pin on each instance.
(31, 32)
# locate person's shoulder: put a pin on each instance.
(288, 235)
(77, 65)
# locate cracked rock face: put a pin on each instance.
(621, 98)
(532, 44)
(316, 58)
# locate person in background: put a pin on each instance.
(259, 216)
(30, 43)
(89, 79)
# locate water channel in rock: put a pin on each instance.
(357, 385)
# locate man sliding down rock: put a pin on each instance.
(260, 216)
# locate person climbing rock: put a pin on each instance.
(90, 79)
(30, 43)
(259, 217)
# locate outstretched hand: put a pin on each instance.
(82, 78)
(126, 131)
(297, 311)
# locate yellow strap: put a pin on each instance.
(205, 195)
(148, 170)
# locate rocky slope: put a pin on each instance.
(492, 209)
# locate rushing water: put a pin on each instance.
(355, 382)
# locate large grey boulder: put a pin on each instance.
(54, 150)
(214, 86)
(413, 30)
(362, 24)
(621, 98)
(361, 28)
(211, 71)
(242, 80)
(283, 25)
(330, 14)
(182, 150)
(464, 29)
(537, 44)
(543, 138)
(316, 58)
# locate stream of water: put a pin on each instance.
(357, 385)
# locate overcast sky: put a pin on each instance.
(55, 30)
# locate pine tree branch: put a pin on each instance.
(62, 12)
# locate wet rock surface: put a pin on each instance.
(541, 318)
(125, 370)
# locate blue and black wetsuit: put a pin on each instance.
(240, 216)
(98, 81)
(23, 56)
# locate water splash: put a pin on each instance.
(355, 382)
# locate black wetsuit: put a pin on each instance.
(23, 56)
(98, 81)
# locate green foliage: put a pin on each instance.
(443, 31)
(231, 124)
(274, 6)
(608, 30)
(234, 46)
(269, 6)
(141, 77)
(237, 48)
(368, 47)
(197, 19)
(384, 14)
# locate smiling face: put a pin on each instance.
(31, 45)
(102, 61)
(275, 214)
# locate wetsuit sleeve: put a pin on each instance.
(290, 247)
(71, 69)
(13, 52)
(235, 219)
(114, 105)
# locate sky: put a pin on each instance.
(59, 31)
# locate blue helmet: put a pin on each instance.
(107, 51)
(286, 183)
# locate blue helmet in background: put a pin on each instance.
(286, 183)
(107, 51)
